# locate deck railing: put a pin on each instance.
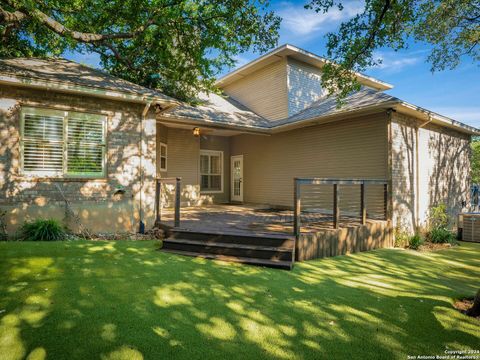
(336, 183)
(158, 199)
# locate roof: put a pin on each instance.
(65, 75)
(219, 109)
(296, 53)
(224, 111)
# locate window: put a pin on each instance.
(62, 143)
(211, 171)
(163, 157)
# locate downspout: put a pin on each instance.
(417, 173)
(141, 226)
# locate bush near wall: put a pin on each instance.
(42, 230)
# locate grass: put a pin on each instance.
(124, 300)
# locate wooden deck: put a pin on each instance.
(264, 236)
(253, 220)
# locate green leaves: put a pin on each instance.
(452, 27)
(175, 46)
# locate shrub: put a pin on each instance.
(401, 237)
(415, 241)
(42, 230)
(439, 217)
(441, 236)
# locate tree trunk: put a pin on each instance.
(475, 309)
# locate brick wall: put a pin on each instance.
(95, 201)
(443, 170)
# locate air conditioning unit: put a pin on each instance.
(470, 224)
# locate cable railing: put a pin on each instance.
(326, 194)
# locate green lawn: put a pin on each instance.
(124, 300)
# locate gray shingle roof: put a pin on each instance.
(224, 110)
(327, 106)
(72, 73)
(220, 109)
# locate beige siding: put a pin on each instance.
(184, 161)
(264, 91)
(220, 143)
(443, 171)
(354, 148)
(304, 85)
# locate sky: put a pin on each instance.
(453, 93)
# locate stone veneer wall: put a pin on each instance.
(93, 200)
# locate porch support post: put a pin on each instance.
(363, 209)
(336, 210)
(297, 203)
(177, 201)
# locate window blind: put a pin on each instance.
(85, 146)
(60, 143)
(43, 144)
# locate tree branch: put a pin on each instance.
(11, 17)
(62, 30)
(373, 33)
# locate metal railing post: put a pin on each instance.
(157, 203)
(363, 209)
(385, 200)
(336, 210)
(297, 203)
(177, 201)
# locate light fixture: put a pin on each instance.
(196, 131)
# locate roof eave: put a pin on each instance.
(333, 117)
(19, 81)
(213, 124)
(427, 115)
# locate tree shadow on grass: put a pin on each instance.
(116, 300)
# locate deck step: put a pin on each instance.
(270, 240)
(230, 249)
(280, 264)
(230, 245)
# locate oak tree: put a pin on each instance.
(176, 46)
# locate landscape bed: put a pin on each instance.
(126, 300)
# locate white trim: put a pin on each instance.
(166, 156)
(222, 171)
(232, 159)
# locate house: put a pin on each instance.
(75, 137)
(276, 123)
